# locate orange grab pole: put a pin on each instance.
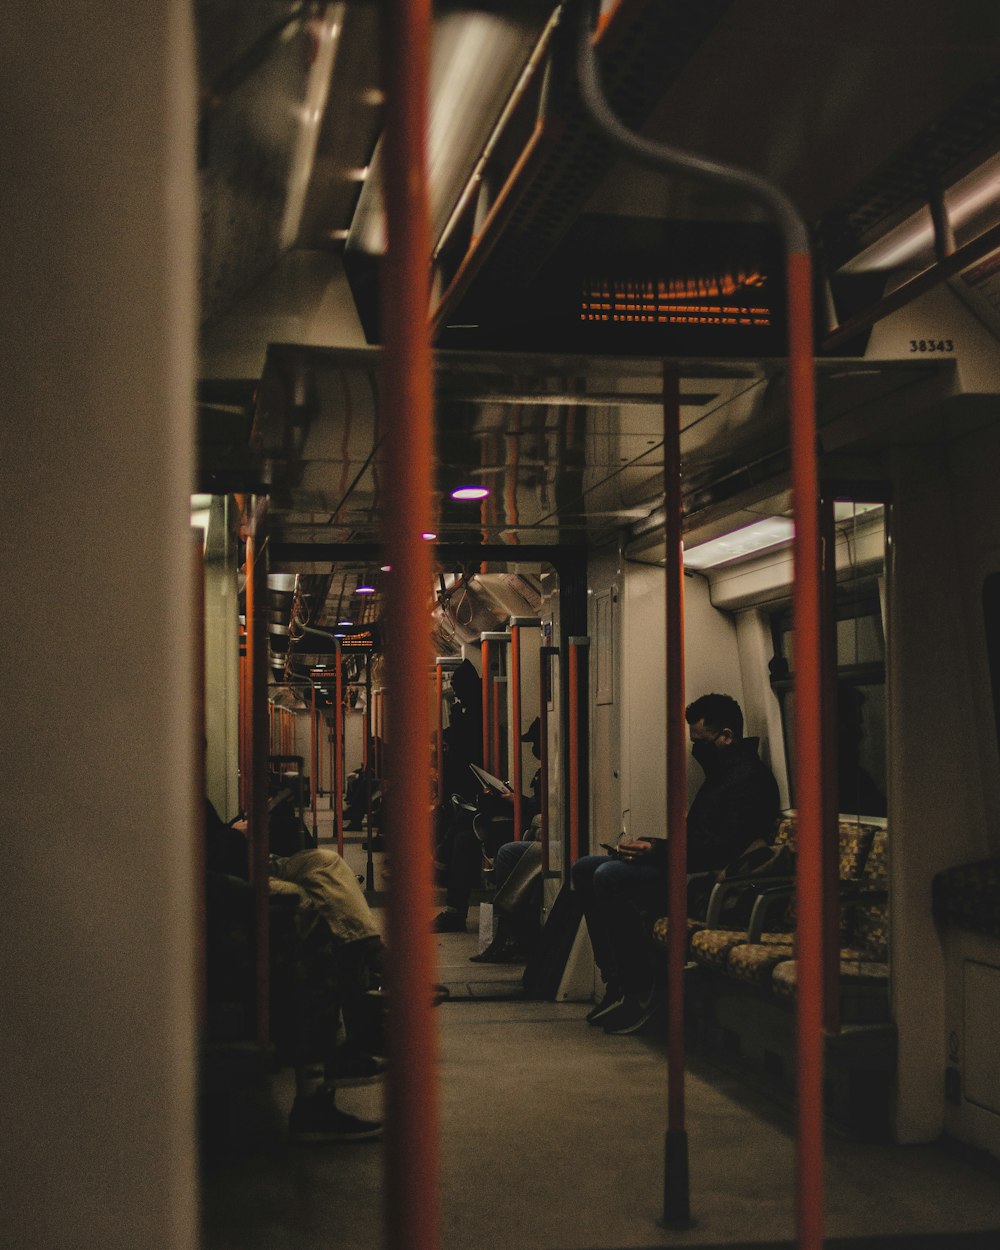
(806, 606)
(256, 686)
(676, 1188)
(544, 687)
(485, 659)
(808, 753)
(338, 751)
(411, 1184)
(242, 726)
(515, 733)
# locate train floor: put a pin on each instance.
(551, 1138)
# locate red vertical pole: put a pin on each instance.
(544, 686)
(676, 1190)
(338, 751)
(515, 716)
(411, 1127)
(808, 754)
(485, 660)
(256, 686)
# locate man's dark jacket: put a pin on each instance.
(737, 803)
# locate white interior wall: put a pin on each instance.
(761, 709)
(932, 701)
(98, 343)
(712, 663)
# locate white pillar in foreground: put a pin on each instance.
(97, 346)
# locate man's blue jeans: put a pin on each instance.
(615, 896)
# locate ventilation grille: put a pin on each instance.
(648, 55)
(936, 155)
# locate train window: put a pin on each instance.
(861, 727)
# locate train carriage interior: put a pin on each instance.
(198, 298)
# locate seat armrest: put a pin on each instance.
(749, 883)
(764, 904)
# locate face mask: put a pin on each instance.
(705, 753)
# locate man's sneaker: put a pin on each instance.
(352, 1067)
(630, 1015)
(612, 999)
(449, 922)
(316, 1118)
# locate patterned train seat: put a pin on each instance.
(752, 956)
(864, 952)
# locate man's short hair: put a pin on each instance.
(718, 711)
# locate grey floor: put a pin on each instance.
(551, 1138)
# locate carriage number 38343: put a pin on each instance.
(932, 345)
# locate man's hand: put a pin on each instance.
(637, 850)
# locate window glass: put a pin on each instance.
(861, 711)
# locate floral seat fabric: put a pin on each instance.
(661, 929)
(754, 962)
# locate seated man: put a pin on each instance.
(323, 973)
(488, 833)
(736, 805)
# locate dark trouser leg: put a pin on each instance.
(582, 874)
(614, 895)
(507, 858)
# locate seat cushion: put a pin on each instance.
(710, 947)
(754, 962)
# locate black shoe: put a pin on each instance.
(316, 1118)
(612, 998)
(499, 951)
(630, 1015)
(352, 1067)
(449, 922)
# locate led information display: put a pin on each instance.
(641, 287)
